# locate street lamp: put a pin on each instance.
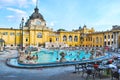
(81, 38)
(42, 36)
(2, 42)
(22, 22)
(1, 34)
(1, 39)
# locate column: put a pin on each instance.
(116, 40)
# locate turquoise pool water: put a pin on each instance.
(51, 56)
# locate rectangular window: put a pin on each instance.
(12, 33)
(5, 33)
(100, 40)
(97, 40)
(18, 34)
(39, 35)
(57, 39)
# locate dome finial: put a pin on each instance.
(36, 9)
(36, 3)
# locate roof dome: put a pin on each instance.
(36, 15)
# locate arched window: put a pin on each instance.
(64, 38)
(108, 42)
(75, 38)
(105, 36)
(112, 36)
(97, 40)
(39, 35)
(57, 39)
(108, 36)
(112, 42)
(70, 38)
(105, 44)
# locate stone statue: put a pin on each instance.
(62, 59)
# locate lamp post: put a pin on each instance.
(1, 34)
(2, 42)
(1, 39)
(81, 38)
(22, 22)
(42, 35)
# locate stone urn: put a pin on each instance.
(21, 57)
(62, 59)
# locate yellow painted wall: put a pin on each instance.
(14, 37)
(98, 40)
(10, 36)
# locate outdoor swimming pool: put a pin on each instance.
(48, 58)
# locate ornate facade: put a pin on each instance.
(36, 33)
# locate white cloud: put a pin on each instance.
(22, 3)
(18, 14)
(51, 23)
(18, 3)
(10, 16)
(17, 10)
(7, 2)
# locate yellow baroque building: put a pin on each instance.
(36, 33)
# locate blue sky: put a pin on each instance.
(67, 14)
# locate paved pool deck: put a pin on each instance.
(52, 73)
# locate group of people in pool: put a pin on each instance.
(91, 54)
(28, 58)
(32, 59)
